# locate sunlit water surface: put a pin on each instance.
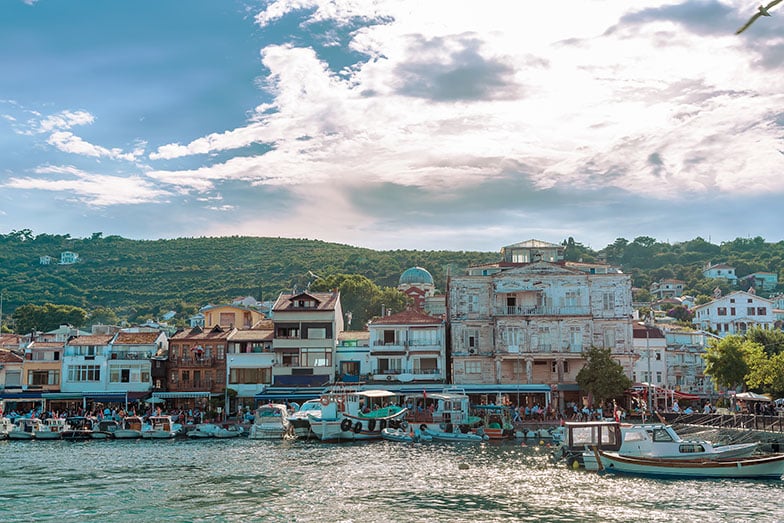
(251, 480)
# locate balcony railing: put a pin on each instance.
(542, 311)
(128, 355)
(193, 361)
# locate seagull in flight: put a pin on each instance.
(761, 11)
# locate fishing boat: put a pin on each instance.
(356, 415)
(402, 435)
(50, 428)
(271, 421)
(161, 427)
(105, 429)
(24, 429)
(661, 441)
(441, 411)
(131, 427)
(497, 421)
(577, 436)
(78, 428)
(761, 467)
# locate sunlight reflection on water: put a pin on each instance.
(245, 480)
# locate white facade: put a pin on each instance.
(408, 346)
(305, 338)
(650, 350)
(720, 270)
(530, 322)
(249, 361)
(667, 288)
(735, 313)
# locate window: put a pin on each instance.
(762, 311)
(251, 376)
(608, 301)
(421, 337)
(572, 299)
(473, 367)
(84, 373)
(287, 332)
(426, 366)
(186, 375)
(513, 336)
(317, 334)
(389, 337)
(732, 311)
(43, 377)
(317, 357)
(471, 338)
(545, 343)
(226, 318)
(389, 365)
(609, 338)
(575, 339)
(751, 310)
(473, 303)
(721, 311)
(658, 356)
(289, 357)
(658, 377)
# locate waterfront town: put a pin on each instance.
(515, 329)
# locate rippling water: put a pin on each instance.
(251, 480)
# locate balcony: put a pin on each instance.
(193, 361)
(542, 311)
(129, 355)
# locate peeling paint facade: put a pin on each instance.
(525, 323)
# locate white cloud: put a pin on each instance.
(64, 120)
(94, 190)
(69, 143)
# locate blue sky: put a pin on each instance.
(392, 124)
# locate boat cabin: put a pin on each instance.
(602, 435)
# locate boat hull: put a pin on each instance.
(764, 467)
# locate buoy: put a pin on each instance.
(463, 466)
(541, 442)
(576, 465)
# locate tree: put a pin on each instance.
(602, 376)
(29, 318)
(361, 297)
(771, 340)
(681, 313)
(103, 316)
(725, 361)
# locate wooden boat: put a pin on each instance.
(405, 436)
(763, 467)
(497, 421)
(50, 428)
(78, 428)
(131, 427)
(161, 427)
(24, 429)
(661, 441)
(356, 414)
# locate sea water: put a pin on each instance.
(379, 481)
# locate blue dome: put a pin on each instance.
(416, 275)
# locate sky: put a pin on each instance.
(393, 124)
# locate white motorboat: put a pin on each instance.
(6, 426)
(105, 429)
(131, 427)
(270, 421)
(230, 431)
(24, 429)
(203, 430)
(762, 467)
(161, 427)
(299, 419)
(401, 435)
(458, 436)
(50, 428)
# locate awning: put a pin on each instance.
(307, 380)
(282, 397)
(21, 396)
(172, 395)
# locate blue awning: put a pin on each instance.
(305, 380)
(22, 396)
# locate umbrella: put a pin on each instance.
(751, 396)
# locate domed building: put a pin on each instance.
(417, 283)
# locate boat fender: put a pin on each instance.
(389, 378)
(345, 425)
(423, 427)
(382, 424)
(324, 400)
(357, 427)
(404, 425)
(371, 425)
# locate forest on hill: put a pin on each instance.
(143, 279)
